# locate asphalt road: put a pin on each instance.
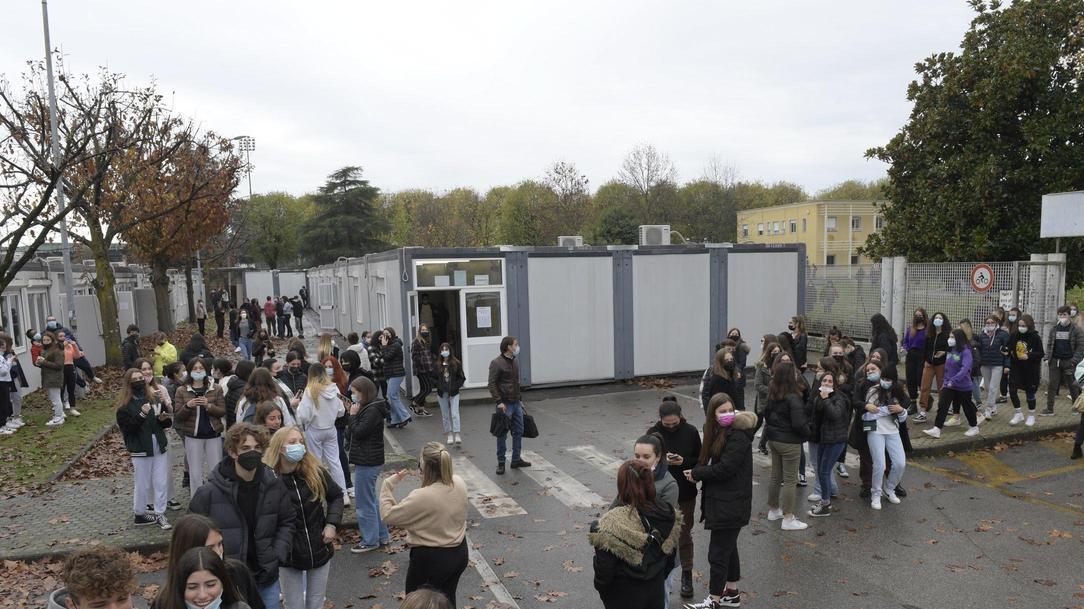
(986, 529)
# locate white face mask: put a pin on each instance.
(445, 353)
(952, 342)
(515, 350)
(1063, 320)
(826, 389)
(330, 372)
(1023, 329)
(990, 327)
(198, 375)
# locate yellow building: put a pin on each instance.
(832, 231)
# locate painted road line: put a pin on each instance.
(489, 578)
(594, 456)
(483, 493)
(393, 443)
(682, 395)
(565, 488)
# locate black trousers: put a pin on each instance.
(5, 403)
(344, 459)
(958, 398)
(425, 387)
(69, 383)
(1079, 439)
(438, 568)
(723, 559)
(913, 365)
(202, 323)
(220, 321)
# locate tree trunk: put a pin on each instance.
(190, 290)
(105, 283)
(160, 282)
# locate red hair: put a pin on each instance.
(635, 484)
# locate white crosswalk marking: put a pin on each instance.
(596, 457)
(483, 493)
(393, 443)
(565, 488)
(489, 578)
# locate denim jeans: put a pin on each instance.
(815, 451)
(270, 595)
(372, 528)
(514, 411)
(449, 412)
(399, 412)
(246, 347)
(825, 457)
(878, 443)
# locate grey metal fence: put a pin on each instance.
(842, 296)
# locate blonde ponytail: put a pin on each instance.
(436, 464)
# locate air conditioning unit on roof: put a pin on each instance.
(655, 234)
(570, 241)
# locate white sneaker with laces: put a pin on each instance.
(458, 440)
(16, 422)
(974, 431)
(875, 502)
(1017, 418)
(55, 422)
(953, 421)
(707, 603)
(73, 412)
(775, 514)
(892, 498)
(237, 350)
(813, 497)
(6, 431)
(933, 432)
(793, 524)
(842, 469)
(1030, 422)
(451, 439)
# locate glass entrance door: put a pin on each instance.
(483, 322)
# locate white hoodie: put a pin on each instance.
(320, 415)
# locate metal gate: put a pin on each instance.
(842, 296)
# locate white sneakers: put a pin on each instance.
(875, 502)
(775, 514)
(12, 426)
(974, 431)
(1030, 422)
(451, 438)
(458, 440)
(892, 498)
(55, 422)
(1017, 418)
(73, 412)
(813, 497)
(793, 524)
(933, 432)
(953, 421)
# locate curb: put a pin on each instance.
(981, 442)
(82, 453)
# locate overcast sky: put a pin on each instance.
(445, 93)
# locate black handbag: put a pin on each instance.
(530, 430)
(498, 424)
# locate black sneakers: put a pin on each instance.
(520, 463)
(820, 510)
(1076, 453)
(142, 520)
(686, 584)
(500, 468)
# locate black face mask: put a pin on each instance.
(735, 337)
(138, 385)
(728, 365)
(425, 335)
(838, 358)
(249, 460)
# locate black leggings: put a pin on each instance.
(5, 402)
(69, 383)
(914, 362)
(1079, 439)
(438, 568)
(723, 559)
(425, 387)
(958, 398)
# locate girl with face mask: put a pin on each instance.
(51, 362)
(934, 353)
(993, 346)
(914, 344)
(723, 377)
(142, 418)
(366, 433)
(1025, 356)
(449, 377)
(421, 356)
(319, 408)
(762, 377)
(304, 574)
(882, 414)
(957, 388)
(154, 387)
(198, 531)
(200, 580)
(725, 472)
(831, 422)
(199, 408)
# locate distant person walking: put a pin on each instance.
(450, 378)
(201, 316)
(504, 387)
(421, 356)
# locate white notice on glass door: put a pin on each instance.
(484, 317)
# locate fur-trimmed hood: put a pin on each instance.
(621, 533)
(744, 419)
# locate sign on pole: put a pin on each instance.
(982, 277)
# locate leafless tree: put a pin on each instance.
(645, 167)
(718, 171)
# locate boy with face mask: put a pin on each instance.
(249, 504)
(1065, 349)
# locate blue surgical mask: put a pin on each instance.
(445, 353)
(215, 604)
(937, 321)
(198, 375)
(1012, 318)
(886, 384)
(515, 350)
(295, 452)
(874, 377)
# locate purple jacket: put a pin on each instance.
(914, 340)
(958, 369)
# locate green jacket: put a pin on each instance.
(52, 369)
(138, 429)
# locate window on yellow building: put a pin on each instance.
(760, 229)
(830, 224)
(854, 260)
(879, 222)
(830, 260)
(744, 230)
(856, 222)
(803, 225)
(777, 228)
(793, 226)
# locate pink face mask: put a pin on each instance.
(725, 419)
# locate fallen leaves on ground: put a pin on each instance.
(571, 566)
(26, 584)
(550, 597)
(386, 569)
(106, 459)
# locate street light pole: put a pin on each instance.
(65, 248)
(246, 144)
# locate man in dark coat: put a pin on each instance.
(250, 506)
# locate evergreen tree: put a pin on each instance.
(345, 221)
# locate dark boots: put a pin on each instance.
(1076, 452)
(687, 580)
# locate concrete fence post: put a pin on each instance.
(887, 264)
(899, 294)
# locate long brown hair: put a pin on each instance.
(719, 369)
(452, 362)
(189, 531)
(784, 381)
(261, 387)
(196, 559)
(714, 434)
(914, 320)
(635, 485)
(126, 394)
(138, 365)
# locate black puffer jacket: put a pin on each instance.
(632, 548)
(393, 359)
(831, 417)
(376, 362)
(365, 435)
(727, 481)
(295, 382)
(785, 420)
(449, 379)
(309, 550)
(234, 388)
(275, 516)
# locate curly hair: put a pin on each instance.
(235, 436)
(98, 573)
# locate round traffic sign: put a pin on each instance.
(982, 277)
